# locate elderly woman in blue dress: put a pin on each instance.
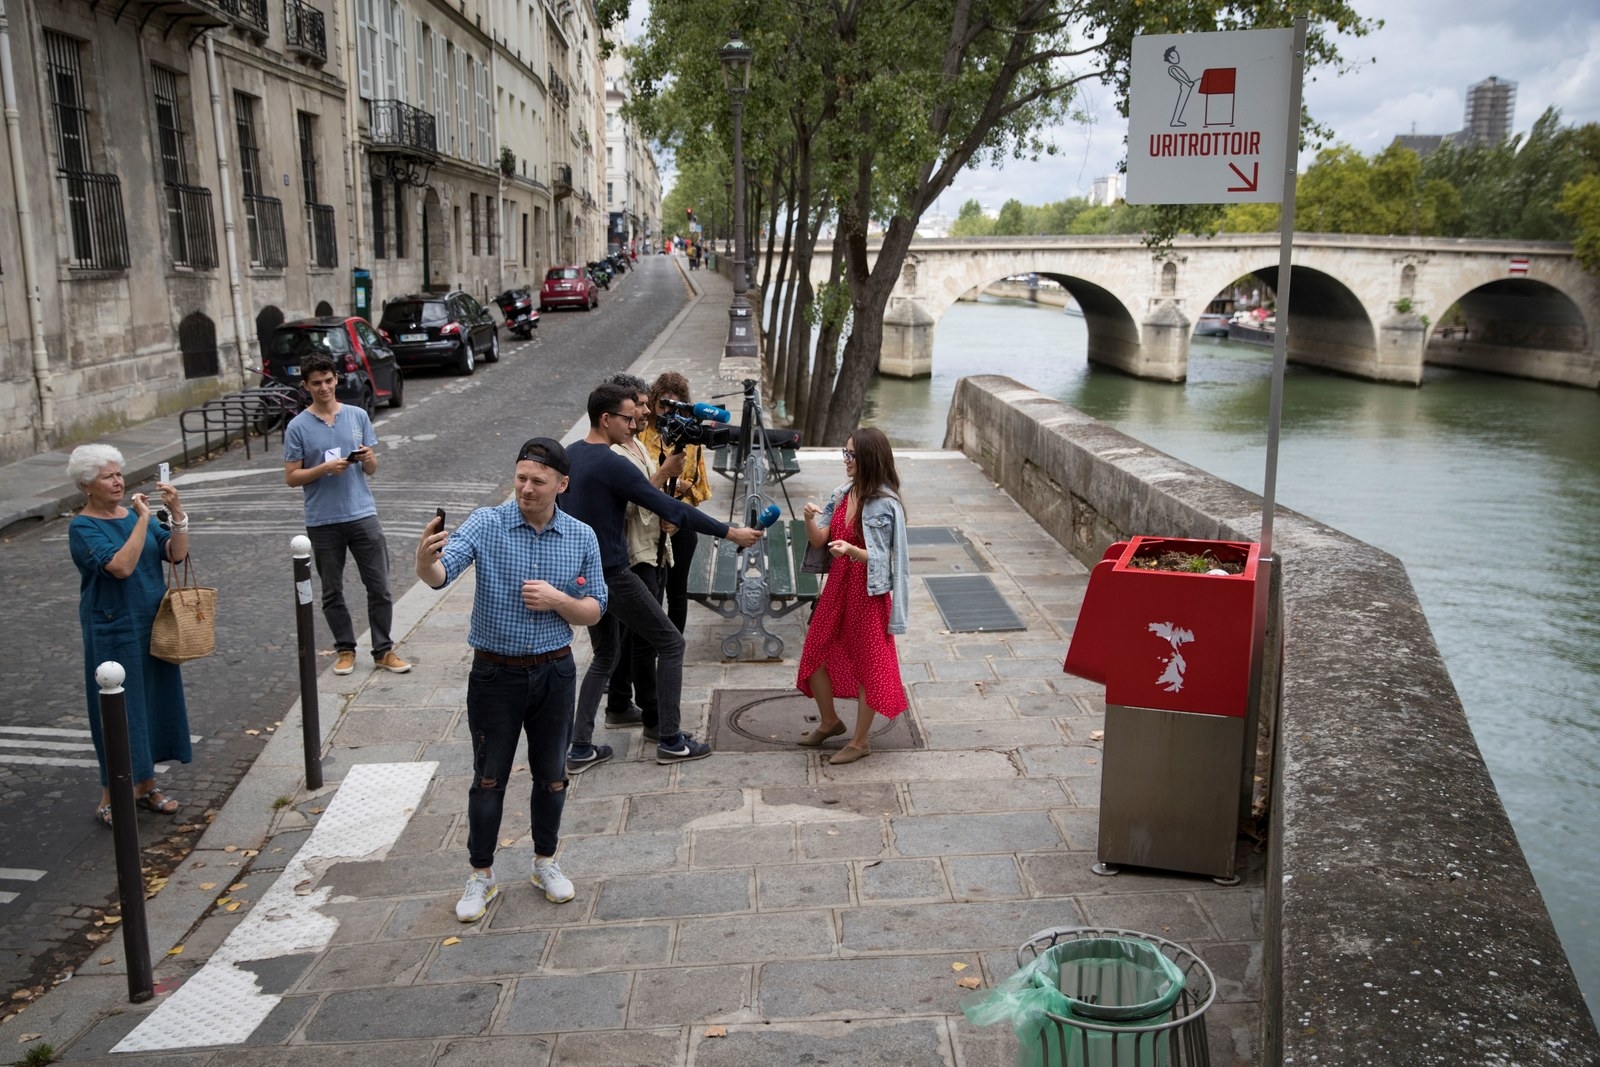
(119, 549)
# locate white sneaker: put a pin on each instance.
(475, 899)
(547, 876)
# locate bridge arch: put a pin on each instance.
(1517, 326)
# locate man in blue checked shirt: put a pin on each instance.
(538, 575)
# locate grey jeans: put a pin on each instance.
(363, 539)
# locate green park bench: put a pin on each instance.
(714, 580)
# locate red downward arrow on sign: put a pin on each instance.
(1250, 183)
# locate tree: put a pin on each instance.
(971, 221)
(1010, 223)
(892, 100)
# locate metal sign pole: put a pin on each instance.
(1280, 339)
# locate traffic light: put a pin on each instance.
(689, 211)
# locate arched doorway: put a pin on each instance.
(435, 244)
(197, 340)
(268, 319)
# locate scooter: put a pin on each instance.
(521, 316)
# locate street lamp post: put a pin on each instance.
(727, 230)
(735, 57)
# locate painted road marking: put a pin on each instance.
(223, 1004)
(14, 740)
(16, 874)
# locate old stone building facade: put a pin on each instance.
(186, 174)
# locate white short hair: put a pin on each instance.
(87, 461)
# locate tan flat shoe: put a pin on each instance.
(849, 754)
(815, 738)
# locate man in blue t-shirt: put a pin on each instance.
(603, 484)
(327, 451)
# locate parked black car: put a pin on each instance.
(440, 329)
(368, 374)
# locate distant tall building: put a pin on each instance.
(1106, 191)
(1490, 105)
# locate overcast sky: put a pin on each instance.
(1419, 67)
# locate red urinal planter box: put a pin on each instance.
(1170, 640)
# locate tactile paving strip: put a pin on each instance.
(222, 1004)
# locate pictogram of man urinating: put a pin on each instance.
(1171, 679)
(1216, 84)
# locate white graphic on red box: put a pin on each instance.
(1216, 84)
(1171, 678)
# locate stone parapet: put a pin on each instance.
(1403, 924)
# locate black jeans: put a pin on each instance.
(677, 583)
(634, 678)
(363, 539)
(502, 703)
(633, 605)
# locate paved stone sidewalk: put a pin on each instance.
(813, 912)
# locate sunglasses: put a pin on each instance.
(848, 453)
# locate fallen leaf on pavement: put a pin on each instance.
(175, 950)
(235, 887)
(230, 848)
(25, 1038)
(233, 907)
(450, 941)
(253, 733)
(251, 852)
(110, 919)
(716, 1031)
(223, 900)
(1097, 735)
(303, 888)
(969, 983)
(208, 886)
(958, 966)
(106, 961)
(507, 842)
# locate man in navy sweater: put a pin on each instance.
(602, 485)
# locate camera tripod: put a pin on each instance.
(753, 602)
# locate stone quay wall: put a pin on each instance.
(1403, 924)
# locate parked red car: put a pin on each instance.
(368, 374)
(568, 287)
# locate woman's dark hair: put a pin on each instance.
(874, 464)
(669, 382)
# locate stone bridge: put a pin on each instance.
(1364, 306)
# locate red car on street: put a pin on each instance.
(368, 374)
(568, 287)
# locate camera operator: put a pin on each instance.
(692, 486)
(602, 485)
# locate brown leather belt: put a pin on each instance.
(524, 661)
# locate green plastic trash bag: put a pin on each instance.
(1106, 981)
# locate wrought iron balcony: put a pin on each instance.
(264, 220)
(189, 227)
(97, 228)
(558, 89)
(304, 30)
(561, 174)
(253, 16)
(324, 237)
(397, 126)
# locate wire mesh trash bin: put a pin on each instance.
(1097, 997)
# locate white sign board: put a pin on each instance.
(1208, 117)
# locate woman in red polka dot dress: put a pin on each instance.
(849, 650)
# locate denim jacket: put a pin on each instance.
(883, 526)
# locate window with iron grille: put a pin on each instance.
(97, 230)
(320, 222)
(474, 224)
(380, 221)
(263, 214)
(190, 233)
(399, 221)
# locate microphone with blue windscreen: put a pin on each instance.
(768, 516)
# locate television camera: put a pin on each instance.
(692, 424)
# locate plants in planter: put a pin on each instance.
(508, 161)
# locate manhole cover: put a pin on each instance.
(761, 720)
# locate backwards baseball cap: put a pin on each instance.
(546, 450)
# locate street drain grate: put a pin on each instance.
(971, 604)
(770, 720)
(943, 550)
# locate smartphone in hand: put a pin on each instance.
(440, 513)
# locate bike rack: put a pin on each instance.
(258, 410)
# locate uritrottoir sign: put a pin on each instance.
(1208, 117)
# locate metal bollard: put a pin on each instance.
(306, 636)
(125, 829)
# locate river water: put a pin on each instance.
(1487, 488)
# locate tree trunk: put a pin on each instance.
(777, 310)
(827, 345)
(869, 296)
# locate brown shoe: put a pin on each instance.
(814, 738)
(849, 754)
(391, 662)
(346, 662)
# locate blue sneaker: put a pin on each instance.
(681, 749)
(581, 757)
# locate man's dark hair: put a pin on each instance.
(316, 365)
(630, 381)
(608, 396)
